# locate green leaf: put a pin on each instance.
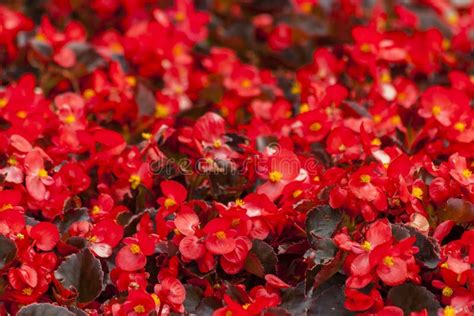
(413, 298)
(295, 301)
(44, 309)
(261, 260)
(83, 272)
(7, 251)
(330, 302)
(194, 296)
(70, 217)
(429, 250)
(458, 210)
(321, 222)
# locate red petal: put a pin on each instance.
(46, 235)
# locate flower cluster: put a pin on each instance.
(236, 158)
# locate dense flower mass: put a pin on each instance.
(237, 157)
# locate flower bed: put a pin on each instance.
(231, 158)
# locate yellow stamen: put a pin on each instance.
(395, 120)
(20, 236)
(246, 306)
(304, 108)
(275, 176)
(365, 178)
(169, 202)
(365, 48)
(3, 102)
(134, 181)
(297, 193)
(88, 94)
(27, 291)
(377, 118)
(12, 161)
(161, 111)
(139, 309)
(447, 291)
(7, 206)
(342, 148)
(449, 311)
(466, 173)
(367, 246)
(21, 114)
(235, 222)
(388, 261)
(70, 119)
(146, 136)
(246, 83)
(296, 88)
(156, 299)
(239, 202)
(217, 143)
(376, 142)
(221, 235)
(436, 110)
(131, 80)
(417, 193)
(316, 126)
(95, 210)
(460, 126)
(135, 249)
(42, 173)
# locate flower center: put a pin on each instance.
(20, 236)
(365, 178)
(297, 193)
(6, 206)
(139, 308)
(217, 143)
(367, 246)
(92, 238)
(12, 161)
(169, 202)
(376, 142)
(221, 235)
(156, 299)
(246, 306)
(304, 107)
(27, 291)
(42, 173)
(460, 126)
(135, 249)
(70, 119)
(3, 102)
(95, 210)
(134, 181)
(449, 311)
(388, 261)
(239, 202)
(146, 136)
(342, 148)
(417, 193)
(275, 176)
(21, 114)
(447, 291)
(365, 48)
(88, 94)
(161, 111)
(316, 126)
(436, 110)
(235, 222)
(246, 83)
(466, 173)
